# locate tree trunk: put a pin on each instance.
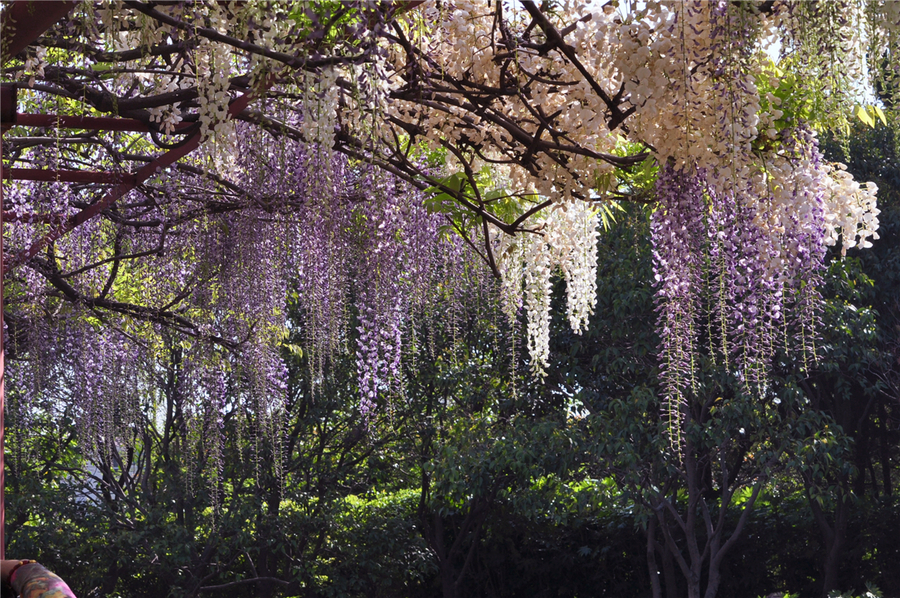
(835, 548)
(669, 575)
(448, 580)
(652, 546)
(833, 538)
(885, 448)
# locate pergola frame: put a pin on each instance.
(36, 23)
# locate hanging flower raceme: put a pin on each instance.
(677, 228)
(357, 246)
(565, 239)
(382, 286)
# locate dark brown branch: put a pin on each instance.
(555, 38)
(114, 271)
(244, 582)
(148, 314)
(294, 62)
(117, 258)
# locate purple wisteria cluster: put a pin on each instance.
(74, 366)
(724, 275)
(386, 261)
(194, 277)
(740, 233)
(381, 298)
(743, 295)
(677, 230)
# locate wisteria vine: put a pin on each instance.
(317, 190)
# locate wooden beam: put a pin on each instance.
(89, 123)
(156, 166)
(26, 20)
(8, 104)
(67, 176)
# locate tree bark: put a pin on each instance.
(884, 449)
(669, 576)
(833, 538)
(835, 548)
(655, 588)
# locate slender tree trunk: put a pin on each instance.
(669, 575)
(655, 589)
(669, 579)
(885, 449)
(448, 580)
(694, 491)
(694, 586)
(444, 557)
(833, 538)
(109, 579)
(835, 548)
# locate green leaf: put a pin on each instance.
(880, 113)
(864, 116)
(294, 349)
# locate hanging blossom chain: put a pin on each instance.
(565, 238)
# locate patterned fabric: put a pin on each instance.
(35, 581)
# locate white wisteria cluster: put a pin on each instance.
(460, 40)
(213, 73)
(805, 195)
(572, 237)
(566, 239)
(167, 116)
(34, 65)
(689, 73)
(850, 209)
